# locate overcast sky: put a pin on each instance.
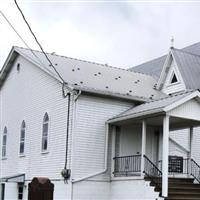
(121, 34)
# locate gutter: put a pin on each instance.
(137, 115)
(105, 159)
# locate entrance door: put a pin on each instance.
(40, 189)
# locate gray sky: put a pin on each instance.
(121, 34)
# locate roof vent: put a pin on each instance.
(78, 68)
(116, 78)
(106, 87)
(73, 70)
(130, 91)
(99, 73)
(81, 82)
(95, 74)
(56, 64)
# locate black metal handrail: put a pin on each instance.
(195, 170)
(152, 172)
(127, 165)
(177, 166)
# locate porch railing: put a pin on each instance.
(152, 172)
(195, 170)
(131, 166)
(177, 166)
(127, 165)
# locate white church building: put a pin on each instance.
(80, 130)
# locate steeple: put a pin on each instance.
(172, 42)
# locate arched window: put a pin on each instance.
(45, 130)
(22, 137)
(5, 131)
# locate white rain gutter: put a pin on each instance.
(105, 159)
(137, 115)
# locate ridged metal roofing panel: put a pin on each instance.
(189, 67)
(154, 67)
(96, 76)
(154, 105)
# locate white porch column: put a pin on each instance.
(190, 153)
(144, 127)
(113, 150)
(191, 141)
(165, 156)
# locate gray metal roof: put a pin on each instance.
(189, 67)
(154, 106)
(154, 67)
(96, 77)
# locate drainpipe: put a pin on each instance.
(67, 172)
(105, 158)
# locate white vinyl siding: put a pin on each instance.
(89, 134)
(39, 93)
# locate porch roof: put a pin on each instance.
(154, 107)
(18, 178)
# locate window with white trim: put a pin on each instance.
(22, 138)
(45, 130)
(5, 132)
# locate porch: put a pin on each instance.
(140, 140)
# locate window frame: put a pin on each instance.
(4, 142)
(172, 76)
(45, 134)
(20, 193)
(22, 140)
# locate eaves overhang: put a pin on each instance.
(150, 109)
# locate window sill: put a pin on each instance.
(22, 155)
(44, 152)
(172, 84)
(4, 158)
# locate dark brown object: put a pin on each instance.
(40, 189)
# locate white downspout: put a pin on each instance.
(105, 158)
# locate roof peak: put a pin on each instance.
(184, 49)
